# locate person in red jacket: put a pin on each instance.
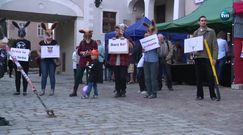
(119, 63)
(84, 49)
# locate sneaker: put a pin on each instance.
(42, 93)
(199, 98)
(117, 95)
(17, 93)
(146, 96)
(152, 96)
(170, 89)
(95, 97)
(123, 95)
(213, 98)
(144, 93)
(73, 94)
(24, 94)
(85, 97)
(52, 92)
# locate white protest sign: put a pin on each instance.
(50, 51)
(118, 46)
(193, 44)
(20, 54)
(150, 42)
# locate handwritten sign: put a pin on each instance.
(118, 46)
(50, 51)
(193, 44)
(150, 42)
(20, 54)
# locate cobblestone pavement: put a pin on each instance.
(172, 113)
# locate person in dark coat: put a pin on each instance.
(21, 43)
(93, 70)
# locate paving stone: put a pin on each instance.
(106, 115)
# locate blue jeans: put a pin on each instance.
(90, 86)
(151, 74)
(219, 66)
(48, 67)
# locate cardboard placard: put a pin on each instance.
(193, 44)
(118, 46)
(50, 51)
(150, 42)
(20, 54)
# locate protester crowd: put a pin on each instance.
(138, 64)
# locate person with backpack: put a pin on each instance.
(165, 61)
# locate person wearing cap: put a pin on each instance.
(21, 43)
(93, 70)
(119, 63)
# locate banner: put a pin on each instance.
(118, 46)
(50, 51)
(150, 42)
(20, 54)
(193, 44)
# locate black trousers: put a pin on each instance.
(18, 75)
(164, 69)
(204, 73)
(141, 79)
(10, 67)
(120, 73)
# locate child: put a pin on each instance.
(93, 71)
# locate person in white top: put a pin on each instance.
(222, 51)
(75, 61)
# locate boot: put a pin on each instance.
(74, 93)
(52, 93)
(42, 93)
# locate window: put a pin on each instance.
(160, 14)
(40, 31)
(109, 21)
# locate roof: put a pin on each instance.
(211, 9)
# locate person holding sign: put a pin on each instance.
(48, 63)
(202, 63)
(151, 61)
(21, 44)
(119, 59)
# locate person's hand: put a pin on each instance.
(214, 62)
